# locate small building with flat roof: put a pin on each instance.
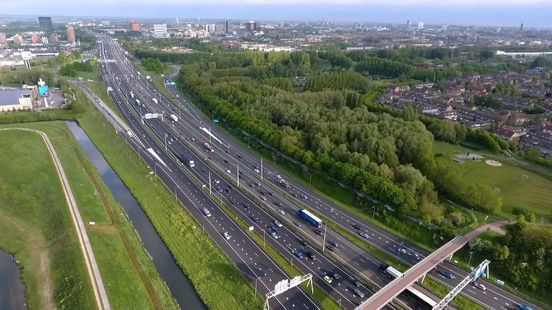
(17, 99)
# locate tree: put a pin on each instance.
(504, 253)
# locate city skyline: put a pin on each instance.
(512, 13)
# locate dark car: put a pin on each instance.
(311, 255)
(447, 274)
(336, 276)
(334, 243)
(318, 232)
(356, 226)
(304, 242)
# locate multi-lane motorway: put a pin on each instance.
(184, 139)
(254, 264)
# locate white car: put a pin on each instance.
(228, 171)
(479, 286)
(217, 181)
(257, 170)
(226, 235)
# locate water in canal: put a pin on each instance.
(11, 287)
(180, 287)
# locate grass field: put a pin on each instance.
(519, 187)
(120, 256)
(35, 225)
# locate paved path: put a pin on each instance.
(89, 258)
(393, 289)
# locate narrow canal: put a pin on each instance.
(11, 287)
(179, 285)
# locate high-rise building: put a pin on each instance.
(420, 25)
(521, 27)
(3, 39)
(71, 37)
(45, 24)
(160, 31)
(135, 26)
(226, 27)
(251, 25)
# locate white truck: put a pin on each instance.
(174, 117)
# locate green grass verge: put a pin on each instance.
(36, 225)
(100, 90)
(216, 279)
(118, 250)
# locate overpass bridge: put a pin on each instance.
(395, 287)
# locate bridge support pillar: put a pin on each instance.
(450, 257)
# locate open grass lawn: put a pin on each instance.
(35, 225)
(120, 256)
(518, 186)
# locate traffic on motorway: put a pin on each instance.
(256, 266)
(266, 197)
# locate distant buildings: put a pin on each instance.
(135, 26)
(251, 26)
(54, 38)
(35, 38)
(17, 99)
(71, 37)
(3, 39)
(226, 28)
(45, 24)
(160, 31)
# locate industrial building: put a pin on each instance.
(17, 99)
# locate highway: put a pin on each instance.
(358, 259)
(254, 264)
(493, 297)
(192, 128)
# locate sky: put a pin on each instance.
(533, 13)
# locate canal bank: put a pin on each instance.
(11, 287)
(169, 271)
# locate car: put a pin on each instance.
(254, 219)
(334, 243)
(226, 161)
(479, 286)
(226, 235)
(282, 212)
(328, 279)
(304, 242)
(402, 250)
(277, 223)
(297, 224)
(298, 254)
(447, 275)
(269, 193)
(311, 255)
(523, 307)
(364, 234)
(217, 181)
(305, 197)
(206, 212)
(336, 276)
(356, 226)
(277, 203)
(245, 206)
(358, 293)
(263, 198)
(228, 171)
(274, 235)
(330, 248)
(257, 170)
(318, 232)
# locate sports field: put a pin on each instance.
(519, 187)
